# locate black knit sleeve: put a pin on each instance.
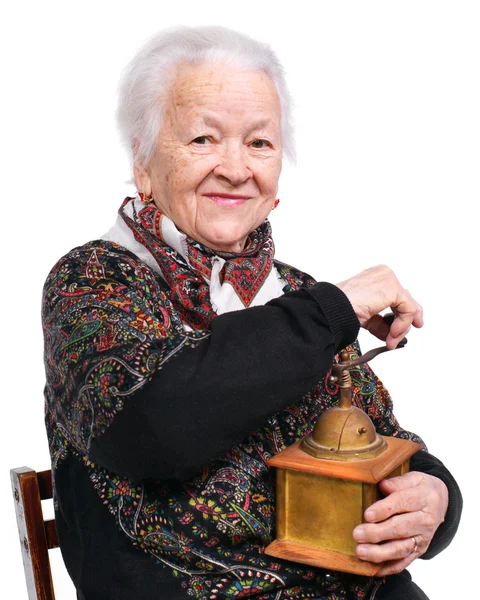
(196, 407)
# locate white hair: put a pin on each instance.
(149, 76)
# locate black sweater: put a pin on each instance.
(205, 394)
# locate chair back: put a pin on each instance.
(37, 536)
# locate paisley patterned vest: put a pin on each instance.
(102, 310)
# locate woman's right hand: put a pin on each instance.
(376, 289)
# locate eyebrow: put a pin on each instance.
(212, 122)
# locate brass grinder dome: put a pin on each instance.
(344, 432)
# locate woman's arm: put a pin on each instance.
(136, 393)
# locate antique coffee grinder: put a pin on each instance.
(326, 481)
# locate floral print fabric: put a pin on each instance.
(109, 324)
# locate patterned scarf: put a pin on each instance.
(188, 275)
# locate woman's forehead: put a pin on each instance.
(212, 91)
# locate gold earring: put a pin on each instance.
(145, 199)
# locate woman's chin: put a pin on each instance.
(228, 239)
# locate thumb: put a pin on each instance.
(378, 327)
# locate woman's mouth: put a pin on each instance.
(227, 199)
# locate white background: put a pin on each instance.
(388, 133)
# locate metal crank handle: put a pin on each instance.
(371, 354)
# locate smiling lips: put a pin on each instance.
(227, 199)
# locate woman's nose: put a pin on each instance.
(233, 166)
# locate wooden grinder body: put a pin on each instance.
(320, 502)
(326, 481)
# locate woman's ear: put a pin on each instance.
(140, 173)
(142, 179)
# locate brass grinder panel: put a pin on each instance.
(321, 511)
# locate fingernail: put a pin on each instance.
(359, 534)
(370, 515)
(361, 552)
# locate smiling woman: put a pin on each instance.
(181, 355)
(218, 157)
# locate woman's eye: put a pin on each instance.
(201, 139)
(259, 144)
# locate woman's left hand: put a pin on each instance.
(400, 527)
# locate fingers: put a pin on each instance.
(402, 482)
(402, 551)
(392, 567)
(397, 528)
(395, 566)
(378, 327)
(376, 289)
(411, 492)
(408, 312)
(385, 547)
(394, 556)
(405, 494)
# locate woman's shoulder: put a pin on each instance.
(90, 258)
(106, 250)
(100, 264)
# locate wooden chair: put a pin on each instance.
(37, 536)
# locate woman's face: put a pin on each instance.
(218, 157)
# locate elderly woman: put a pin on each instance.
(181, 355)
